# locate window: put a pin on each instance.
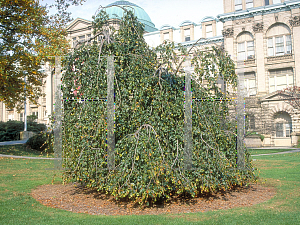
(283, 124)
(249, 4)
(245, 47)
(266, 2)
(280, 79)
(82, 38)
(35, 114)
(279, 129)
(279, 40)
(74, 42)
(45, 113)
(166, 36)
(238, 5)
(246, 50)
(22, 117)
(89, 38)
(250, 121)
(208, 29)
(279, 45)
(10, 116)
(250, 84)
(276, 1)
(187, 35)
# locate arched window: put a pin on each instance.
(245, 46)
(283, 124)
(279, 40)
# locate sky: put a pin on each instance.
(161, 12)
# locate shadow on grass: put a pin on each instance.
(22, 150)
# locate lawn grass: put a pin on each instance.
(266, 151)
(19, 176)
(22, 150)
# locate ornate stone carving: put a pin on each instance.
(242, 21)
(295, 21)
(227, 32)
(258, 27)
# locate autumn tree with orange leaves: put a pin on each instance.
(28, 36)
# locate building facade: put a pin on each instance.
(262, 37)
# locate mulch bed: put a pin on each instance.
(76, 198)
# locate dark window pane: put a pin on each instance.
(279, 129)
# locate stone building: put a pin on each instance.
(262, 37)
(42, 110)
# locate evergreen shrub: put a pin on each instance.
(41, 142)
(10, 130)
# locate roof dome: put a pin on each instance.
(115, 12)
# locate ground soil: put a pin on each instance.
(74, 197)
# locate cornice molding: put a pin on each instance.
(205, 41)
(263, 10)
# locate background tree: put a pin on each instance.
(28, 35)
(292, 96)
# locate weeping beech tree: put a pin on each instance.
(149, 117)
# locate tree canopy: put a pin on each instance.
(149, 127)
(28, 36)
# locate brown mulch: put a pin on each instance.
(75, 198)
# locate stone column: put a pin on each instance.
(295, 23)
(228, 40)
(260, 58)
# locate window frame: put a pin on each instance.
(74, 39)
(209, 34)
(276, 77)
(89, 38)
(246, 50)
(272, 50)
(249, 89)
(81, 38)
(187, 37)
(166, 33)
(249, 4)
(238, 5)
(249, 122)
(285, 129)
(21, 115)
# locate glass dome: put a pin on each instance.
(115, 12)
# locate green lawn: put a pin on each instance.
(266, 151)
(22, 150)
(19, 176)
